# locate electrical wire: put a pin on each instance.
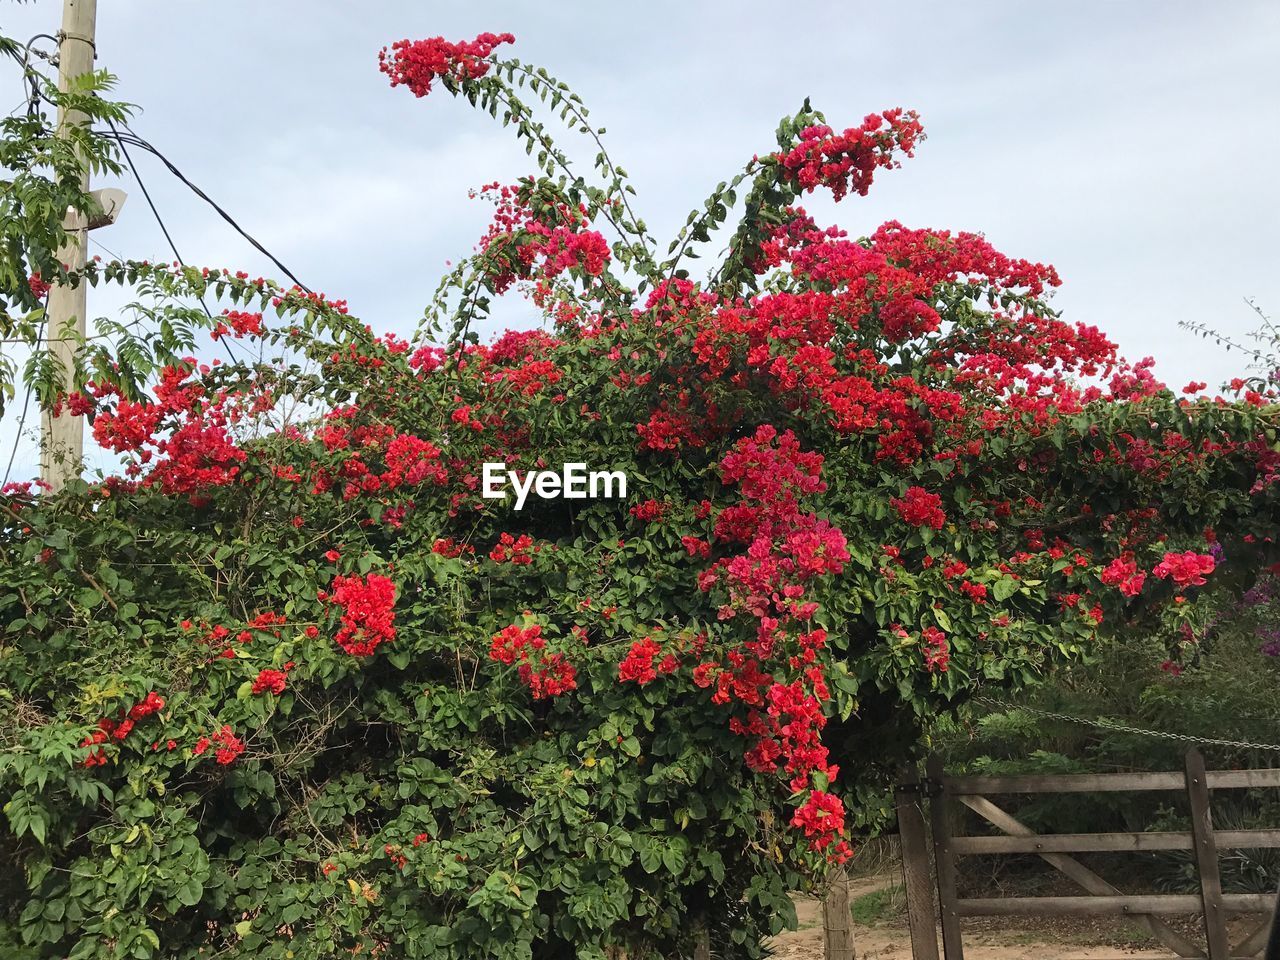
(104, 248)
(32, 103)
(163, 228)
(26, 399)
(133, 168)
(1103, 723)
(30, 76)
(137, 141)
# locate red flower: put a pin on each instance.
(649, 511)
(1123, 574)
(270, 681)
(239, 324)
(937, 652)
(416, 64)
(821, 817)
(368, 614)
(151, 703)
(509, 645)
(546, 675)
(229, 746)
(921, 508)
(696, 547)
(517, 550)
(637, 665)
(847, 161)
(448, 547)
(39, 288)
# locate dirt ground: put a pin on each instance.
(994, 939)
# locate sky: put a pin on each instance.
(1132, 144)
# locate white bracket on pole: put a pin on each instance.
(108, 202)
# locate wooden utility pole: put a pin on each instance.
(62, 438)
(837, 917)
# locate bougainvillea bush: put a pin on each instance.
(291, 686)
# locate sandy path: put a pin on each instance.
(890, 942)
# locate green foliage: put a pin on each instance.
(40, 179)
(879, 905)
(543, 822)
(1227, 691)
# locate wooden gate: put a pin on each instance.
(943, 796)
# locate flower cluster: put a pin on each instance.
(546, 675)
(642, 664)
(367, 612)
(417, 64)
(238, 323)
(227, 746)
(847, 161)
(920, 508)
(1123, 574)
(821, 818)
(538, 238)
(650, 511)
(1186, 569)
(118, 729)
(448, 547)
(38, 285)
(199, 451)
(937, 652)
(270, 681)
(777, 676)
(514, 550)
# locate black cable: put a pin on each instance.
(151, 203)
(143, 144)
(105, 249)
(30, 74)
(164, 229)
(26, 400)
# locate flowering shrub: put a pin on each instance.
(868, 477)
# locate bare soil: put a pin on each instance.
(995, 938)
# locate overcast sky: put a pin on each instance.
(1132, 144)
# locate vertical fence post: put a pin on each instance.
(915, 866)
(837, 919)
(702, 941)
(1206, 850)
(940, 812)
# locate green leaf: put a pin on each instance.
(1004, 588)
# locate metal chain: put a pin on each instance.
(1125, 728)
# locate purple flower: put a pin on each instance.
(1258, 594)
(1270, 637)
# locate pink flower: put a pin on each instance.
(1186, 569)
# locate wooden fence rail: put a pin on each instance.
(947, 795)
